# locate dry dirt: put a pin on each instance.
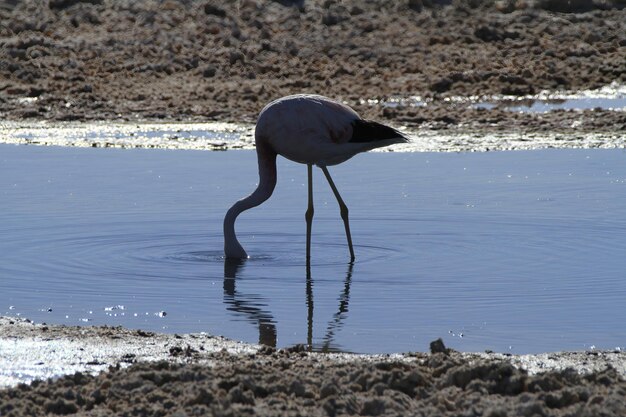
(208, 60)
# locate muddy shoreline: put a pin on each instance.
(156, 374)
(74, 60)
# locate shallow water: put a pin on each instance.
(542, 106)
(609, 97)
(509, 251)
(176, 135)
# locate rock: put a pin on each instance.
(328, 390)
(298, 4)
(566, 6)
(488, 34)
(63, 4)
(29, 114)
(373, 407)
(60, 407)
(335, 15)
(16, 91)
(297, 388)
(237, 395)
(209, 71)
(437, 346)
(203, 397)
(236, 56)
(356, 10)
(448, 120)
(36, 91)
(86, 88)
(416, 5)
(442, 85)
(297, 348)
(211, 9)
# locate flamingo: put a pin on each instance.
(312, 130)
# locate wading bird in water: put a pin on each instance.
(312, 130)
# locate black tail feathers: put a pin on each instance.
(370, 131)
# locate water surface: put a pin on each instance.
(510, 251)
(545, 105)
(608, 97)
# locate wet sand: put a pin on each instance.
(217, 136)
(69, 60)
(156, 374)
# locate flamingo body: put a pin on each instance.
(311, 130)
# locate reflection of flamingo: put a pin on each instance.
(338, 317)
(255, 310)
(311, 130)
(251, 306)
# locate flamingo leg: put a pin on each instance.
(343, 208)
(309, 212)
(310, 305)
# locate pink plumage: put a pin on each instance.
(311, 130)
(316, 130)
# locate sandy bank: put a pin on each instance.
(157, 374)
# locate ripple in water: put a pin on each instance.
(517, 249)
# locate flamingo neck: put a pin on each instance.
(267, 181)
